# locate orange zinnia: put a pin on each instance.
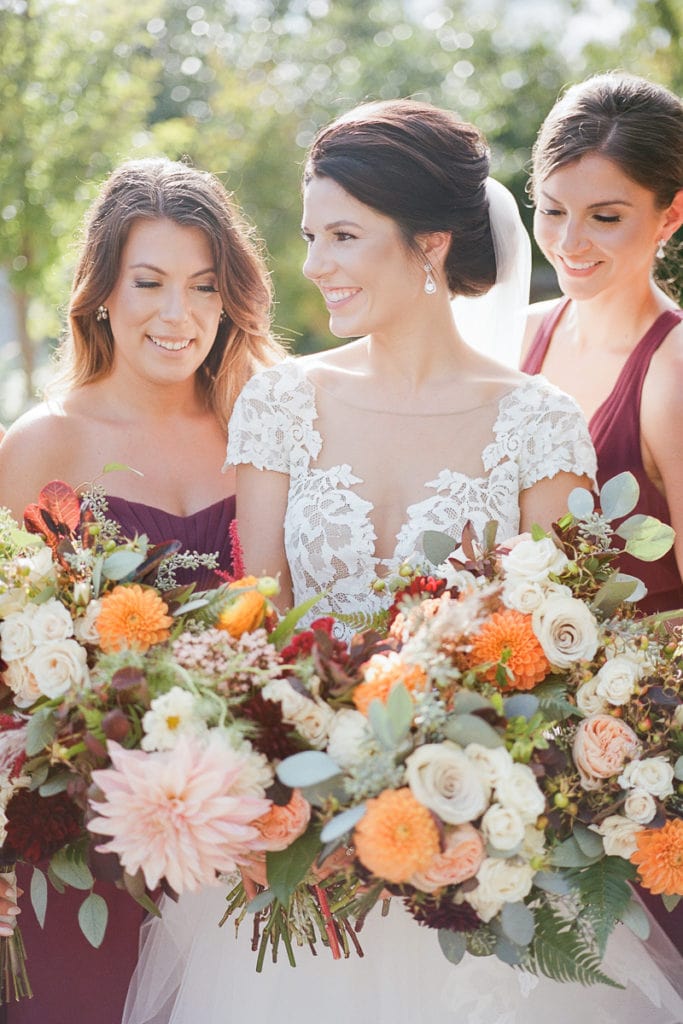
(659, 858)
(247, 611)
(397, 836)
(134, 617)
(382, 672)
(508, 637)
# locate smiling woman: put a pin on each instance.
(169, 316)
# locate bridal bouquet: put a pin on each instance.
(507, 760)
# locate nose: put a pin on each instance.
(174, 307)
(317, 263)
(574, 238)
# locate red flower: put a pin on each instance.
(39, 826)
(301, 645)
(420, 585)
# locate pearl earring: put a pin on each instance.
(430, 283)
(101, 313)
(661, 251)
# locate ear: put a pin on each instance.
(435, 246)
(673, 216)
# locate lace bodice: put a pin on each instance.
(329, 534)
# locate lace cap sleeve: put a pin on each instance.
(271, 426)
(544, 431)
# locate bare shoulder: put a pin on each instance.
(35, 450)
(536, 313)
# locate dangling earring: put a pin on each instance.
(430, 283)
(223, 316)
(101, 313)
(661, 251)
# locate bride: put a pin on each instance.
(344, 459)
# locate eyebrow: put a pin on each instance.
(158, 270)
(591, 206)
(337, 224)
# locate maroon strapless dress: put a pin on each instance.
(72, 982)
(615, 430)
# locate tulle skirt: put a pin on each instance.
(191, 971)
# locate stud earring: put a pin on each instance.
(223, 316)
(661, 251)
(102, 313)
(430, 283)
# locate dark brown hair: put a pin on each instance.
(422, 167)
(159, 188)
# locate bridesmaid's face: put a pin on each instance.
(359, 260)
(165, 306)
(597, 227)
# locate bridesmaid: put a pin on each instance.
(607, 184)
(169, 316)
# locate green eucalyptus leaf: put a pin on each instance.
(72, 870)
(120, 564)
(635, 918)
(619, 496)
(380, 723)
(320, 792)
(521, 705)
(678, 769)
(93, 914)
(537, 532)
(639, 591)
(39, 895)
(507, 951)
(400, 711)
(41, 731)
(96, 578)
(437, 546)
(570, 855)
(308, 768)
(611, 594)
(555, 882)
(453, 945)
(260, 901)
(286, 868)
(589, 842)
(56, 784)
(671, 902)
(342, 823)
(465, 729)
(646, 538)
(580, 503)
(468, 700)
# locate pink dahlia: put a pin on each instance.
(175, 814)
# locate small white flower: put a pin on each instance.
(566, 630)
(502, 827)
(51, 622)
(617, 680)
(172, 715)
(653, 774)
(618, 836)
(443, 778)
(59, 666)
(518, 790)
(534, 560)
(348, 729)
(640, 806)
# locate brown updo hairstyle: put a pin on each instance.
(627, 119)
(155, 188)
(424, 168)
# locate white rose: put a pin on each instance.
(492, 763)
(533, 844)
(348, 729)
(39, 566)
(502, 827)
(59, 666)
(523, 595)
(587, 699)
(22, 682)
(85, 625)
(507, 880)
(460, 578)
(443, 778)
(654, 774)
(566, 630)
(12, 601)
(617, 680)
(518, 791)
(486, 906)
(312, 718)
(16, 638)
(51, 622)
(618, 836)
(534, 560)
(640, 806)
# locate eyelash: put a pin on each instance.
(601, 218)
(207, 289)
(340, 236)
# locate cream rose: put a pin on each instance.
(22, 682)
(502, 828)
(500, 881)
(347, 731)
(492, 763)
(602, 745)
(443, 778)
(640, 806)
(518, 791)
(51, 622)
(59, 666)
(311, 717)
(534, 560)
(85, 626)
(618, 836)
(16, 637)
(39, 566)
(587, 700)
(654, 774)
(566, 630)
(617, 680)
(461, 858)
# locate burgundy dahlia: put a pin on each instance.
(38, 826)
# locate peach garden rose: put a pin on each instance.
(602, 746)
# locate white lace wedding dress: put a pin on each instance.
(192, 972)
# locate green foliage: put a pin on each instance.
(287, 868)
(606, 894)
(560, 952)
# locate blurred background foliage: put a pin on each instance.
(239, 87)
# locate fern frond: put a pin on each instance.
(358, 621)
(605, 893)
(561, 953)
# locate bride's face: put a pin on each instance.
(597, 227)
(359, 260)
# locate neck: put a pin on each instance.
(616, 322)
(149, 400)
(424, 350)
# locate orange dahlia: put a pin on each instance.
(134, 617)
(397, 836)
(507, 637)
(381, 673)
(659, 858)
(247, 611)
